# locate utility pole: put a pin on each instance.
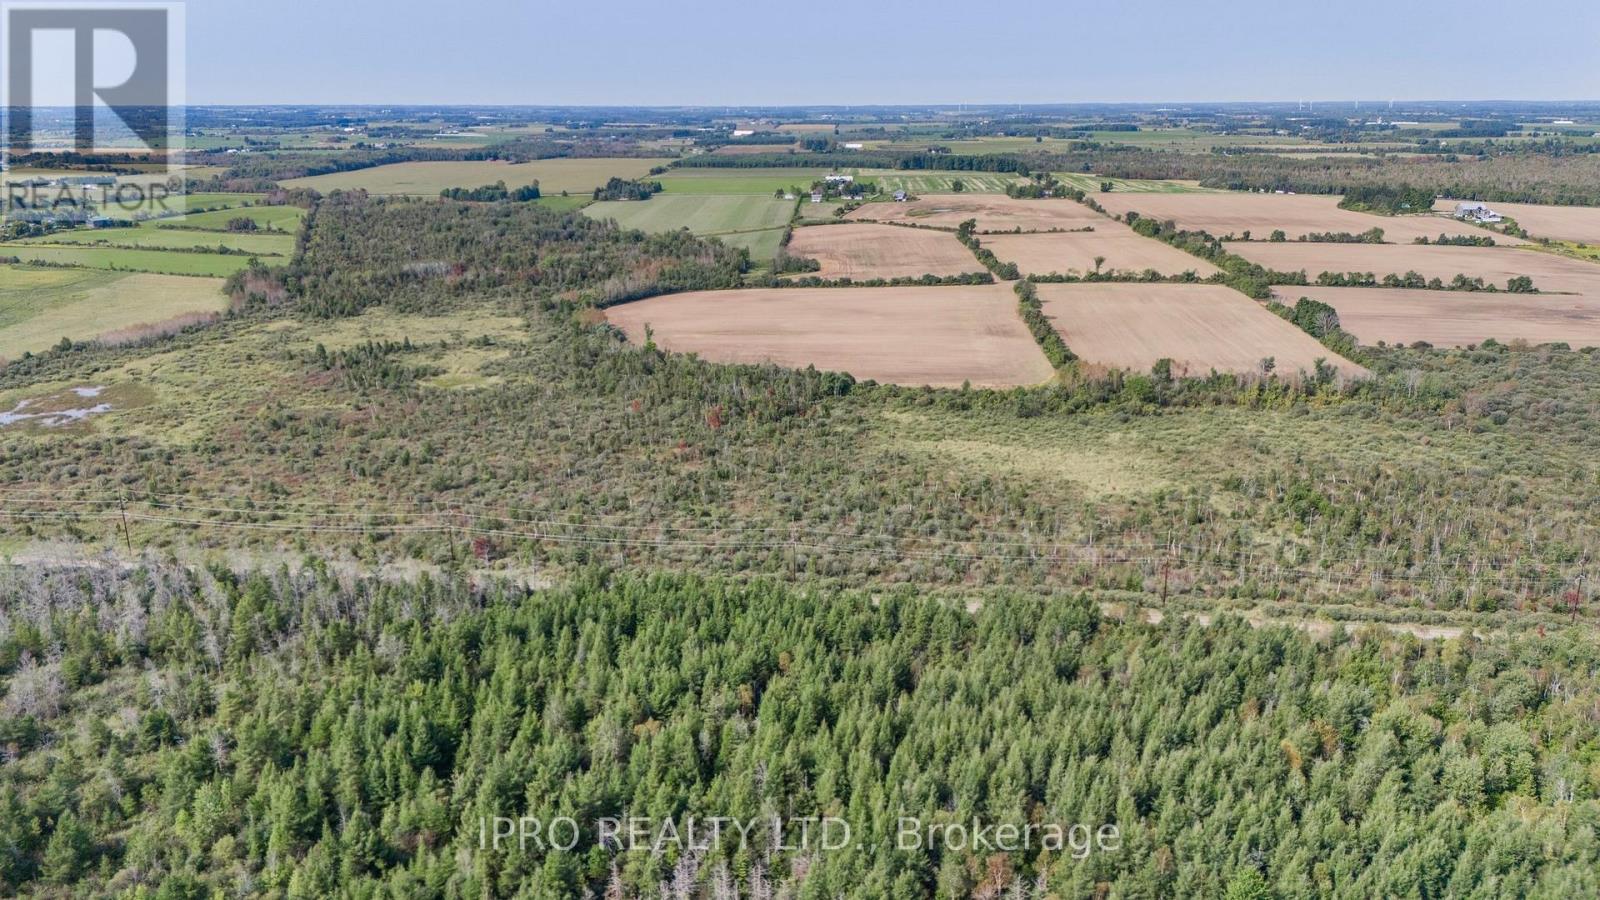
(123, 509)
(1166, 569)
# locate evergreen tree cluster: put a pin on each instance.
(180, 733)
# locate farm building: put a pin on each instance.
(1476, 212)
(839, 179)
(899, 196)
(816, 196)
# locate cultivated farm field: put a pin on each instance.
(40, 306)
(751, 221)
(938, 336)
(1562, 223)
(863, 250)
(1075, 252)
(1093, 183)
(700, 213)
(1199, 327)
(427, 179)
(936, 182)
(993, 212)
(1456, 318)
(150, 237)
(1233, 213)
(165, 262)
(738, 181)
(1495, 265)
(280, 218)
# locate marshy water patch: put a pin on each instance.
(71, 405)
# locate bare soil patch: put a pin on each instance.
(1234, 213)
(861, 251)
(994, 212)
(938, 336)
(1074, 252)
(1456, 318)
(1199, 327)
(1495, 265)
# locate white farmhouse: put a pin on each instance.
(1477, 212)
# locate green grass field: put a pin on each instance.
(148, 236)
(563, 204)
(133, 205)
(163, 262)
(427, 179)
(763, 245)
(40, 306)
(700, 213)
(283, 218)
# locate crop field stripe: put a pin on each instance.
(165, 262)
(38, 307)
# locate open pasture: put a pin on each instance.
(40, 306)
(1455, 318)
(1074, 252)
(1562, 223)
(1495, 265)
(427, 179)
(993, 212)
(700, 213)
(762, 245)
(164, 262)
(862, 251)
(280, 218)
(1233, 213)
(1199, 327)
(939, 336)
(148, 236)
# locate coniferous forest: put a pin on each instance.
(305, 735)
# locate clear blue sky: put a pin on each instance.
(715, 52)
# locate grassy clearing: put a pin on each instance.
(427, 179)
(1104, 454)
(150, 237)
(40, 306)
(207, 387)
(162, 262)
